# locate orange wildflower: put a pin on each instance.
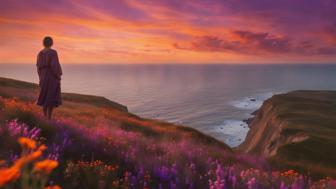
(53, 187)
(9, 174)
(42, 148)
(12, 173)
(45, 166)
(27, 159)
(27, 143)
(289, 173)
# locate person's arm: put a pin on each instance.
(38, 67)
(56, 66)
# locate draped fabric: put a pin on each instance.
(49, 71)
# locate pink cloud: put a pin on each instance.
(247, 42)
(240, 27)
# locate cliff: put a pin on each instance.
(79, 104)
(296, 130)
(97, 142)
(29, 91)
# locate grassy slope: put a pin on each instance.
(28, 91)
(312, 113)
(102, 130)
(88, 105)
(96, 128)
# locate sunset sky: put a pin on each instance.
(170, 31)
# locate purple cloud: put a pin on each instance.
(244, 42)
(248, 42)
(260, 27)
(264, 41)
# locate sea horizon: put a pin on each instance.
(212, 98)
(168, 94)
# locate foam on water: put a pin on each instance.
(205, 97)
(234, 131)
(252, 102)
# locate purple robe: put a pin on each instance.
(49, 71)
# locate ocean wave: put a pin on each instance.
(234, 131)
(252, 102)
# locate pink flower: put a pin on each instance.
(251, 183)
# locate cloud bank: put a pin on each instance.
(170, 31)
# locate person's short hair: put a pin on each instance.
(47, 41)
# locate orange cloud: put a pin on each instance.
(161, 31)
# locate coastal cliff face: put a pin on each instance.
(265, 136)
(97, 142)
(296, 130)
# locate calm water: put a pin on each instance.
(211, 98)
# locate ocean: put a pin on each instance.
(215, 99)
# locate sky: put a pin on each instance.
(170, 31)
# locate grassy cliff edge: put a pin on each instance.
(78, 103)
(296, 130)
(97, 142)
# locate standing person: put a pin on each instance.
(49, 71)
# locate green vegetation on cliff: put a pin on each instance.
(96, 142)
(297, 130)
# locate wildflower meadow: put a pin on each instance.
(104, 148)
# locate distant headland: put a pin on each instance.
(291, 142)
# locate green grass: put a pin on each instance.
(7, 82)
(93, 100)
(28, 91)
(312, 113)
(90, 106)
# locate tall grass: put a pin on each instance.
(110, 149)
